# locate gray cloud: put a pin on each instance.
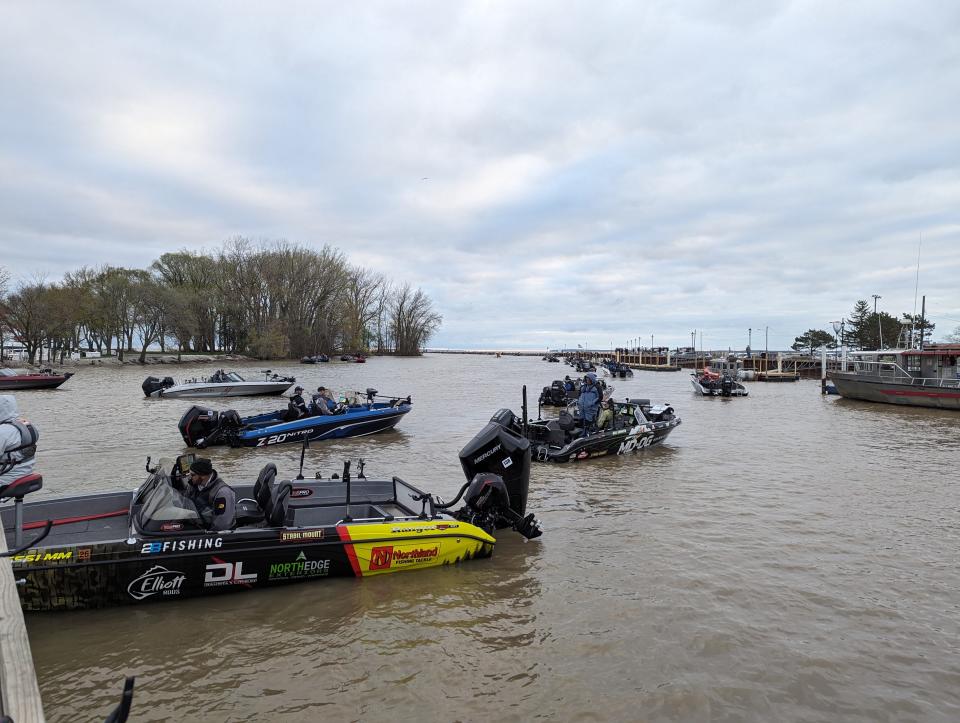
(593, 172)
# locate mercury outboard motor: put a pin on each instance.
(486, 504)
(501, 449)
(155, 384)
(201, 427)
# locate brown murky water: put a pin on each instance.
(785, 557)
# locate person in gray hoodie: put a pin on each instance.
(18, 442)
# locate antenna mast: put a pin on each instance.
(916, 289)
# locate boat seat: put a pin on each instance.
(248, 512)
(556, 436)
(22, 486)
(566, 421)
(278, 505)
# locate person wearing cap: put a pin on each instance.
(323, 401)
(215, 500)
(589, 402)
(296, 407)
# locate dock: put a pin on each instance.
(772, 367)
(19, 691)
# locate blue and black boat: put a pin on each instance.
(202, 427)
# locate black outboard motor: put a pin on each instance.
(201, 427)
(155, 384)
(555, 395)
(500, 448)
(726, 386)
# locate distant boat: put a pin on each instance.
(708, 383)
(221, 384)
(23, 379)
(315, 359)
(928, 377)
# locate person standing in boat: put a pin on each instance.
(589, 402)
(215, 500)
(18, 442)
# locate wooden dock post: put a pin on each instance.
(19, 692)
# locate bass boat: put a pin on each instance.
(202, 427)
(711, 384)
(635, 425)
(616, 369)
(117, 548)
(16, 379)
(557, 394)
(220, 384)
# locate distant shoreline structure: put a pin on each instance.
(486, 352)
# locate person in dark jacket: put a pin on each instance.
(296, 407)
(215, 500)
(589, 402)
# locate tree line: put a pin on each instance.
(272, 300)
(867, 329)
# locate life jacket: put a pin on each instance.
(205, 501)
(28, 440)
(26, 446)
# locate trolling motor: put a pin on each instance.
(270, 376)
(372, 394)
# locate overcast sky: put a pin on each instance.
(550, 173)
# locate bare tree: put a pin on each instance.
(413, 320)
(26, 313)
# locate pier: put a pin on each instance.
(772, 367)
(19, 692)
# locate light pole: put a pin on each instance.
(749, 341)
(837, 326)
(879, 326)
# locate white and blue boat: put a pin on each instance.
(201, 427)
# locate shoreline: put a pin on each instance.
(133, 359)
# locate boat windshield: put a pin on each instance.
(13, 372)
(163, 508)
(629, 413)
(234, 377)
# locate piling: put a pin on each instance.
(19, 692)
(823, 370)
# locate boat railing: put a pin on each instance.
(893, 372)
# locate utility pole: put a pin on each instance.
(749, 341)
(879, 327)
